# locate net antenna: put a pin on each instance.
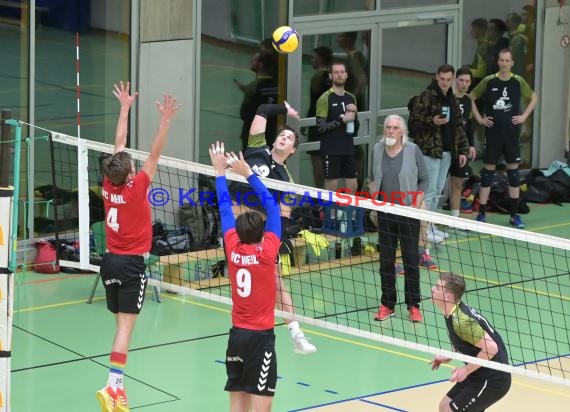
(82, 174)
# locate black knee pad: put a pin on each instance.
(487, 177)
(513, 176)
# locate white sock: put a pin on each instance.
(294, 328)
(455, 213)
(115, 381)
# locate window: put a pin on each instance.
(489, 26)
(311, 7)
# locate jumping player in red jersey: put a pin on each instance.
(271, 163)
(251, 251)
(129, 235)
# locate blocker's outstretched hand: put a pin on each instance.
(168, 107)
(238, 165)
(218, 158)
(122, 93)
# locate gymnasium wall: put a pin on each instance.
(555, 94)
(167, 65)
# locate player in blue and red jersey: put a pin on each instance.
(128, 238)
(251, 248)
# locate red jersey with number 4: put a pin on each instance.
(251, 270)
(128, 221)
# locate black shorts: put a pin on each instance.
(457, 171)
(502, 139)
(337, 166)
(125, 282)
(251, 362)
(474, 395)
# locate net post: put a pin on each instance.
(5, 160)
(16, 194)
(6, 274)
(82, 174)
(54, 200)
(83, 203)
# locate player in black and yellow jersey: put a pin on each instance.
(471, 334)
(503, 93)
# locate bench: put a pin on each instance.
(304, 263)
(180, 269)
(193, 269)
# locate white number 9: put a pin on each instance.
(243, 282)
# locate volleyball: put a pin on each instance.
(285, 39)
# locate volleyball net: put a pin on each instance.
(519, 280)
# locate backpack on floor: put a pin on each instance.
(203, 223)
(45, 261)
(539, 188)
(499, 200)
(170, 241)
(560, 181)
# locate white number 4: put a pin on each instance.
(112, 219)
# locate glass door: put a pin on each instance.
(309, 78)
(411, 51)
(391, 57)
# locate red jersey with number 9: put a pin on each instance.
(128, 220)
(251, 269)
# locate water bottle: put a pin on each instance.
(343, 221)
(346, 247)
(339, 220)
(338, 250)
(350, 127)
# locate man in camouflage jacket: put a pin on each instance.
(437, 127)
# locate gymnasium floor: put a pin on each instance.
(60, 354)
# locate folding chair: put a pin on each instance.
(98, 230)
